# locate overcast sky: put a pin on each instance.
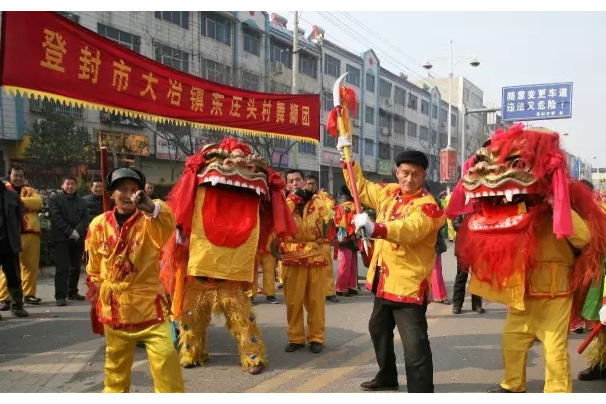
(514, 48)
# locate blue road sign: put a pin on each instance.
(537, 102)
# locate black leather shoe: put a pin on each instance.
(272, 300)
(333, 299)
(61, 302)
(316, 347)
(372, 385)
(456, 310)
(593, 373)
(479, 310)
(499, 389)
(5, 305)
(76, 296)
(19, 312)
(32, 300)
(291, 347)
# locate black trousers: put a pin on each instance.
(68, 260)
(458, 292)
(12, 272)
(412, 326)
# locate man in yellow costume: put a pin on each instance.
(123, 248)
(226, 204)
(534, 240)
(30, 240)
(305, 265)
(311, 184)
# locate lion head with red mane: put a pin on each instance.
(516, 183)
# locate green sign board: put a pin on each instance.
(385, 167)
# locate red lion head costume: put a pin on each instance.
(235, 179)
(515, 183)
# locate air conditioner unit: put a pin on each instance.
(356, 122)
(277, 67)
(385, 131)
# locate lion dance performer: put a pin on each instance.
(534, 240)
(123, 248)
(226, 204)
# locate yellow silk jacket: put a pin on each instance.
(312, 235)
(234, 263)
(551, 276)
(124, 262)
(32, 204)
(405, 236)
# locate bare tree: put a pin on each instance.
(429, 141)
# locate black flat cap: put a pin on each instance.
(118, 174)
(412, 157)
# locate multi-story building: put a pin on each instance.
(253, 50)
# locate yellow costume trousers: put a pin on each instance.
(547, 320)
(30, 266)
(280, 272)
(330, 279)
(161, 353)
(305, 288)
(228, 298)
(452, 234)
(268, 266)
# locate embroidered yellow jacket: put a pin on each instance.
(124, 262)
(312, 221)
(32, 204)
(405, 236)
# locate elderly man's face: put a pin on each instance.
(410, 177)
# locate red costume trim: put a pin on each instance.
(432, 210)
(380, 231)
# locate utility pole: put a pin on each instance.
(295, 54)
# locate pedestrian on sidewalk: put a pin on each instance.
(123, 248)
(347, 272)
(69, 221)
(11, 216)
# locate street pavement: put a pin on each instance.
(54, 351)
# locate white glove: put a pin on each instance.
(342, 143)
(75, 235)
(603, 315)
(362, 221)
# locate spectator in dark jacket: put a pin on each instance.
(94, 201)
(458, 293)
(69, 223)
(11, 216)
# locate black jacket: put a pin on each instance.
(94, 205)
(13, 210)
(67, 213)
(441, 246)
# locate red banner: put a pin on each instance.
(448, 165)
(44, 54)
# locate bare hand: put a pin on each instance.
(143, 202)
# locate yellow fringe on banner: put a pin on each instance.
(25, 92)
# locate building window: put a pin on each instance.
(434, 137)
(171, 57)
(329, 141)
(216, 72)
(281, 144)
(443, 116)
(332, 66)
(181, 18)
(216, 27)
(370, 115)
(369, 147)
(425, 107)
(400, 96)
(252, 41)
(130, 41)
(74, 17)
(385, 89)
(424, 134)
(398, 125)
(412, 102)
(384, 120)
(412, 129)
(370, 83)
(251, 81)
(308, 65)
(453, 120)
(280, 88)
(40, 105)
(279, 52)
(384, 151)
(434, 111)
(307, 148)
(397, 150)
(355, 144)
(328, 102)
(353, 76)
